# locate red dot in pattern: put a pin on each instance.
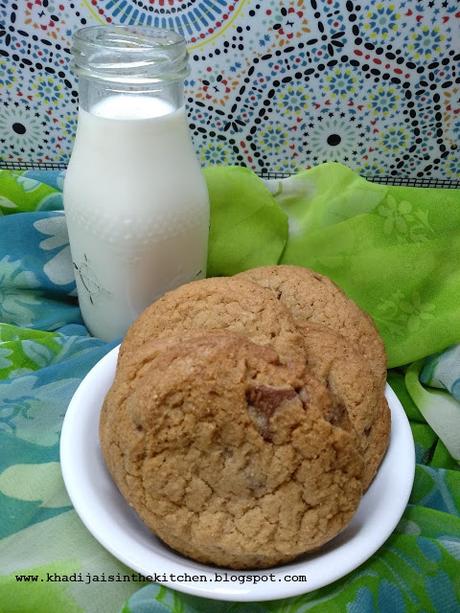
(109, 19)
(268, 12)
(193, 39)
(201, 35)
(101, 12)
(230, 8)
(209, 68)
(218, 24)
(94, 2)
(225, 16)
(210, 30)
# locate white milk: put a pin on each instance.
(137, 209)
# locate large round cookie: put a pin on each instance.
(219, 303)
(337, 364)
(312, 297)
(228, 455)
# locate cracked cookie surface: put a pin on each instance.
(337, 364)
(228, 455)
(219, 303)
(312, 297)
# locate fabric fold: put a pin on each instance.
(395, 250)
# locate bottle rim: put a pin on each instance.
(129, 54)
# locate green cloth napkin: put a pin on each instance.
(394, 250)
(327, 218)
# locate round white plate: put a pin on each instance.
(115, 525)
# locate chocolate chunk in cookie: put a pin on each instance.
(228, 454)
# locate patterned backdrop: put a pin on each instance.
(275, 85)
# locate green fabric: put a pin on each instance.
(328, 218)
(440, 409)
(245, 232)
(396, 379)
(394, 250)
(19, 193)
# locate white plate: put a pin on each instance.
(109, 518)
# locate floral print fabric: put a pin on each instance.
(45, 351)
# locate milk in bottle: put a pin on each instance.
(135, 200)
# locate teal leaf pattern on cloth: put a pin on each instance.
(329, 218)
(41, 482)
(442, 370)
(59, 268)
(34, 412)
(16, 305)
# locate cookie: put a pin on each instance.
(379, 438)
(312, 297)
(220, 303)
(228, 454)
(337, 364)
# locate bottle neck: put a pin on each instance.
(130, 101)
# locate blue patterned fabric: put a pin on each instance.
(45, 351)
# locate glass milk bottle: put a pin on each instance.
(135, 200)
